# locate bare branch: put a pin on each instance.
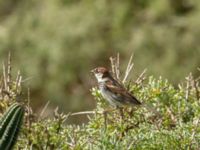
(27, 79)
(44, 109)
(196, 124)
(4, 76)
(112, 61)
(128, 69)
(188, 79)
(117, 67)
(9, 68)
(141, 77)
(91, 112)
(84, 113)
(196, 85)
(18, 81)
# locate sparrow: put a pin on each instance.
(112, 91)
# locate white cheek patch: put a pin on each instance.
(99, 77)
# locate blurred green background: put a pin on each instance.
(57, 43)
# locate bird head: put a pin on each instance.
(101, 73)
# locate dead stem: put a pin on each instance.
(112, 61)
(5, 77)
(188, 82)
(84, 113)
(128, 69)
(196, 85)
(117, 67)
(9, 69)
(1, 87)
(141, 77)
(44, 109)
(29, 115)
(196, 124)
(91, 112)
(18, 81)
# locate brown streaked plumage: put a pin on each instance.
(112, 90)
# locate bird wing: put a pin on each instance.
(122, 95)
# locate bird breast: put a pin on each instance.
(109, 96)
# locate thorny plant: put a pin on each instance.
(10, 90)
(109, 114)
(115, 65)
(115, 70)
(176, 105)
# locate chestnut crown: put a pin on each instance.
(101, 73)
(102, 70)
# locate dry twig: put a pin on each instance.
(141, 77)
(128, 69)
(188, 85)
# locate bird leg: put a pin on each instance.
(121, 114)
(105, 115)
(105, 119)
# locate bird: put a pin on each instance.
(112, 91)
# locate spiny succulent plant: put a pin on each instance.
(10, 124)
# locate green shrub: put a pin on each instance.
(176, 128)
